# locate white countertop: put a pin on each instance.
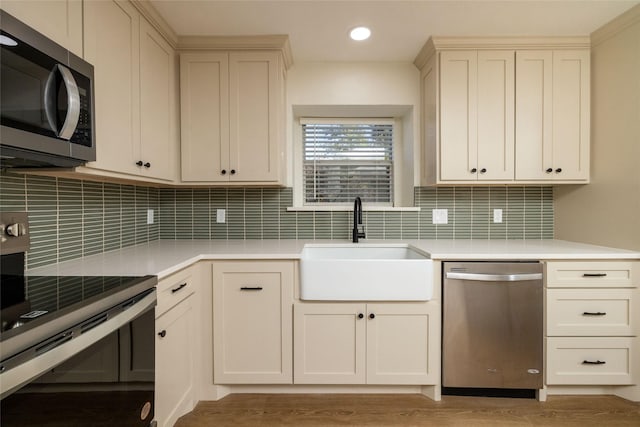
(164, 257)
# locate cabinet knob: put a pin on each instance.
(483, 170)
(474, 170)
(360, 316)
(147, 165)
(139, 163)
(558, 170)
(223, 171)
(233, 171)
(162, 333)
(549, 170)
(372, 316)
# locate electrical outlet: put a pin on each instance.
(220, 216)
(440, 216)
(149, 216)
(497, 215)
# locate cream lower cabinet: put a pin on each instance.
(134, 94)
(592, 323)
(365, 343)
(175, 344)
(252, 329)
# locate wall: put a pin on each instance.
(73, 218)
(607, 211)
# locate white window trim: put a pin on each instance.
(298, 181)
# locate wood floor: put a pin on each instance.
(410, 410)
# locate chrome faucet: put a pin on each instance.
(357, 220)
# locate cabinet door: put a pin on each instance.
(112, 36)
(256, 85)
(174, 363)
(495, 115)
(399, 350)
(252, 322)
(156, 104)
(330, 343)
(571, 112)
(204, 104)
(534, 132)
(59, 20)
(458, 115)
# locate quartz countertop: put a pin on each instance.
(164, 257)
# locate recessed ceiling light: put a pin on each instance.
(360, 33)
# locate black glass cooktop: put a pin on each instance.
(27, 300)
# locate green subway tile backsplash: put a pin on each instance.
(69, 218)
(74, 218)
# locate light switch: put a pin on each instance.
(220, 216)
(149, 216)
(497, 215)
(440, 216)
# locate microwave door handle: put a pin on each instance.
(50, 100)
(73, 103)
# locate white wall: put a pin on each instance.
(393, 88)
(607, 211)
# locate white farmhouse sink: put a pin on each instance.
(364, 272)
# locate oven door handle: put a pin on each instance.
(27, 365)
(73, 102)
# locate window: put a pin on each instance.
(345, 158)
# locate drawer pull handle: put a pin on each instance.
(372, 316)
(589, 362)
(594, 313)
(594, 275)
(360, 316)
(251, 288)
(173, 291)
(162, 333)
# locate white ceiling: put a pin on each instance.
(318, 29)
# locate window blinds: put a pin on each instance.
(345, 160)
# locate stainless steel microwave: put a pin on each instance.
(46, 99)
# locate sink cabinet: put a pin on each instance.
(378, 343)
(252, 330)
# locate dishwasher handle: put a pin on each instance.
(493, 277)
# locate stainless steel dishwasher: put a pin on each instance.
(492, 325)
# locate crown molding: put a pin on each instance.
(616, 25)
(150, 13)
(268, 42)
(436, 43)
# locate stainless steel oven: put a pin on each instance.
(74, 350)
(46, 99)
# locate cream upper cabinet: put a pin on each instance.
(134, 93)
(476, 115)
(493, 115)
(552, 115)
(366, 343)
(252, 330)
(60, 20)
(232, 106)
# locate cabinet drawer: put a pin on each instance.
(587, 274)
(172, 290)
(590, 312)
(575, 361)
